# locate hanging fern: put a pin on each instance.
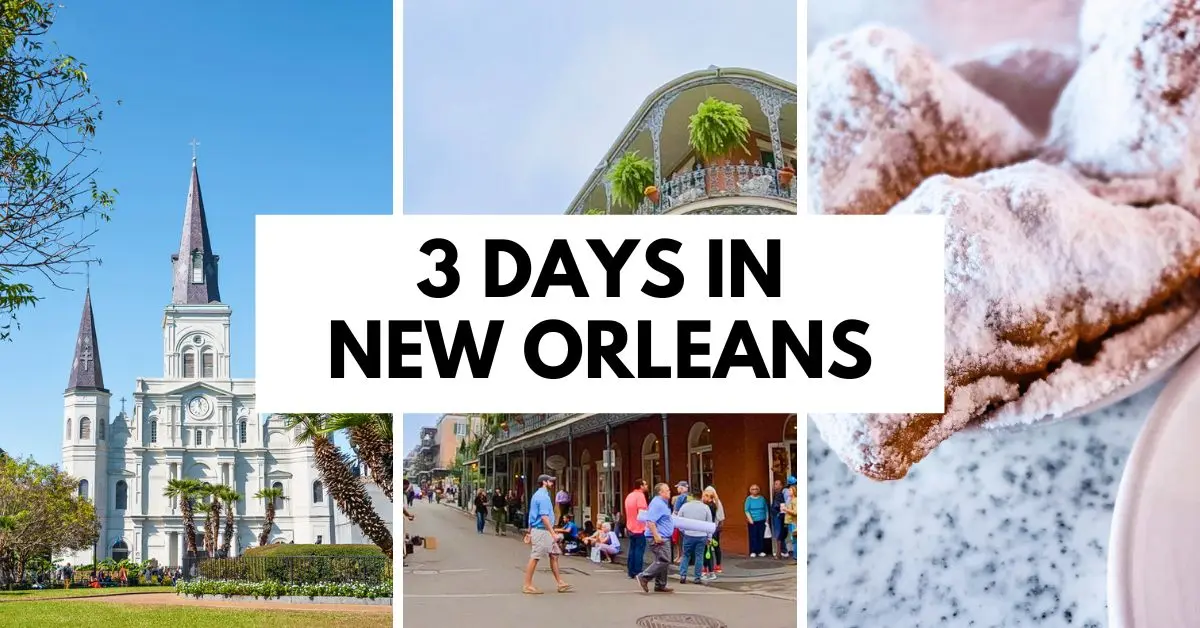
(717, 127)
(630, 177)
(593, 211)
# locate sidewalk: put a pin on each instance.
(735, 568)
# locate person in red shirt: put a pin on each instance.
(635, 502)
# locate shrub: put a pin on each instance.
(313, 550)
(271, 589)
(299, 569)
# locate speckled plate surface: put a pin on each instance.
(1154, 548)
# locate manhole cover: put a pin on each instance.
(680, 621)
(761, 564)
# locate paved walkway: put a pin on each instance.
(171, 599)
(476, 579)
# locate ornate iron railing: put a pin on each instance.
(732, 180)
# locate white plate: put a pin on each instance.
(1154, 544)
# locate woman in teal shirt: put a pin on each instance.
(756, 520)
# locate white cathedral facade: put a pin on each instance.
(195, 421)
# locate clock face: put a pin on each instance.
(199, 407)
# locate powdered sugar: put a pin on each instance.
(884, 114)
(1126, 111)
(1034, 266)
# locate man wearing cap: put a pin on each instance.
(658, 530)
(542, 539)
(681, 497)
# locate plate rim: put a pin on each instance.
(1133, 478)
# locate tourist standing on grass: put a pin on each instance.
(499, 511)
(756, 508)
(659, 529)
(694, 542)
(541, 537)
(635, 502)
(481, 505)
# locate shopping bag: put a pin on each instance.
(767, 530)
(595, 555)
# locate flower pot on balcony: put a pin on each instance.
(718, 132)
(785, 176)
(651, 193)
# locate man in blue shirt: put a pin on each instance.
(542, 537)
(659, 529)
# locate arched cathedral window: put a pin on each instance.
(68, 428)
(83, 489)
(100, 430)
(206, 364)
(153, 431)
(242, 431)
(189, 364)
(85, 429)
(318, 492)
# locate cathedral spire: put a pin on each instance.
(86, 373)
(195, 266)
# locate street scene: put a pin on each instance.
(471, 577)
(494, 498)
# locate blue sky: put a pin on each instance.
(526, 96)
(292, 105)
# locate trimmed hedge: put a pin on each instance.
(298, 569)
(270, 589)
(313, 550)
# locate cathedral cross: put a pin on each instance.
(85, 356)
(194, 144)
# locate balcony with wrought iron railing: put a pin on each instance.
(742, 183)
(513, 426)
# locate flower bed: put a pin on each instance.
(272, 589)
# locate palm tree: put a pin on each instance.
(212, 523)
(269, 494)
(230, 497)
(370, 436)
(334, 466)
(186, 491)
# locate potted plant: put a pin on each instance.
(630, 177)
(785, 175)
(651, 192)
(717, 131)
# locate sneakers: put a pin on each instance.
(719, 570)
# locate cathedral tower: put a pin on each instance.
(196, 323)
(86, 413)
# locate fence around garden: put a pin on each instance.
(291, 569)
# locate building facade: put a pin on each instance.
(194, 421)
(597, 457)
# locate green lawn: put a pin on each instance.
(75, 614)
(37, 594)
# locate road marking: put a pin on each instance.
(460, 570)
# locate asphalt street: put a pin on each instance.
(473, 579)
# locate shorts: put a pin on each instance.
(543, 544)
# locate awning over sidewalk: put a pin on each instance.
(577, 425)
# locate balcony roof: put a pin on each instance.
(687, 91)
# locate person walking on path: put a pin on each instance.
(756, 520)
(481, 506)
(694, 542)
(635, 502)
(499, 511)
(542, 539)
(659, 529)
